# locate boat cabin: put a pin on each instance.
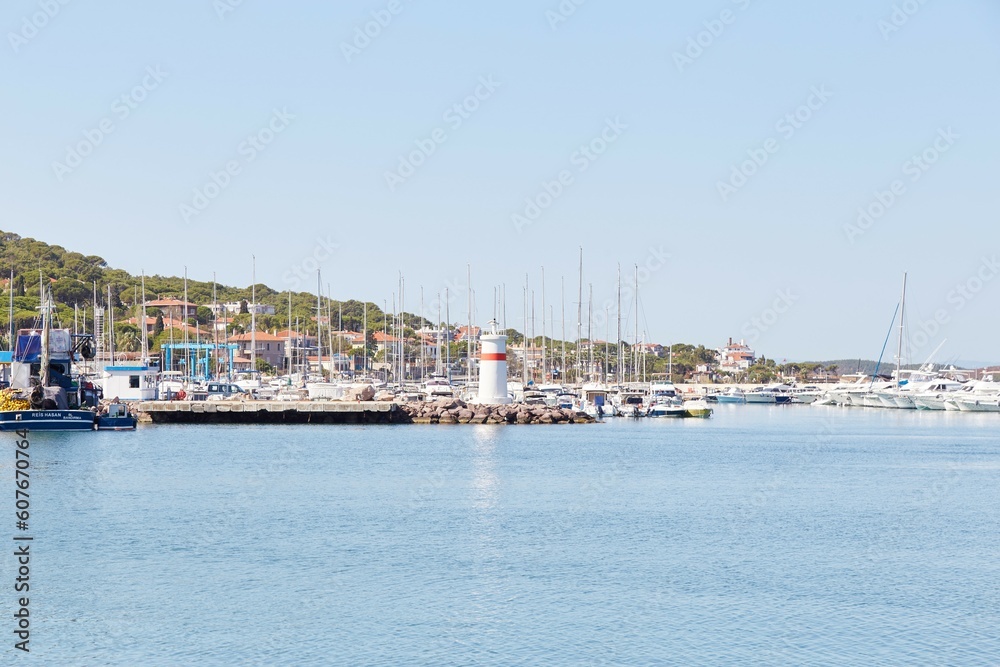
(130, 383)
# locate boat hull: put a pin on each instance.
(47, 420)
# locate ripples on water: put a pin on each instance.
(788, 535)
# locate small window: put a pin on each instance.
(133, 381)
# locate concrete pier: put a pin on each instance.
(271, 412)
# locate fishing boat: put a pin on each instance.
(45, 394)
(117, 418)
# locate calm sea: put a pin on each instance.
(767, 535)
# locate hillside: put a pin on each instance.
(75, 277)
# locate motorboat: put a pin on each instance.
(731, 395)
(697, 408)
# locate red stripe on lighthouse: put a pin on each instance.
(493, 356)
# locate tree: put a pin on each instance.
(158, 327)
(244, 307)
(264, 367)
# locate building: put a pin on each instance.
(735, 357)
(270, 348)
(235, 307)
(170, 323)
(383, 340)
(174, 308)
(460, 333)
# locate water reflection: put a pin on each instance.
(485, 483)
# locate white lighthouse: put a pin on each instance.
(493, 367)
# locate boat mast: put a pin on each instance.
(618, 334)
(545, 365)
(44, 371)
(215, 327)
(364, 346)
(899, 349)
(468, 347)
(10, 310)
(253, 313)
(319, 329)
(524, 336)
(111, 329)
(437, 336)
(579, 320)
(447, 330)
(184, 326)
(329, 331)
(142, 327)
(420, 338)
(533, 326)
(607, 335)
(288, 340)
(635, 351)
(562, 303)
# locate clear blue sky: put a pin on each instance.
(681, 128)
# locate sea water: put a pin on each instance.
(793, 535)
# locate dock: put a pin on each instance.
(271, 412)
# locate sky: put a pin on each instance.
(769, 169)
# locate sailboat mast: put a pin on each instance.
(44, 370)
(215, 327)
(899, 349)
(187, 349)
(142, 327)
(618, 334)
(253, 313)
(447, 331)
(635, 353)
(319, 322)
(544, 357)
(111, 328)
(10, 311)
(420, 338)
(288, 338)
(562, 304)
(468, 348)
(579, 320)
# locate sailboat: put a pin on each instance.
(44, 392)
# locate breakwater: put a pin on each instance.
(460, 412)
(358, 412)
